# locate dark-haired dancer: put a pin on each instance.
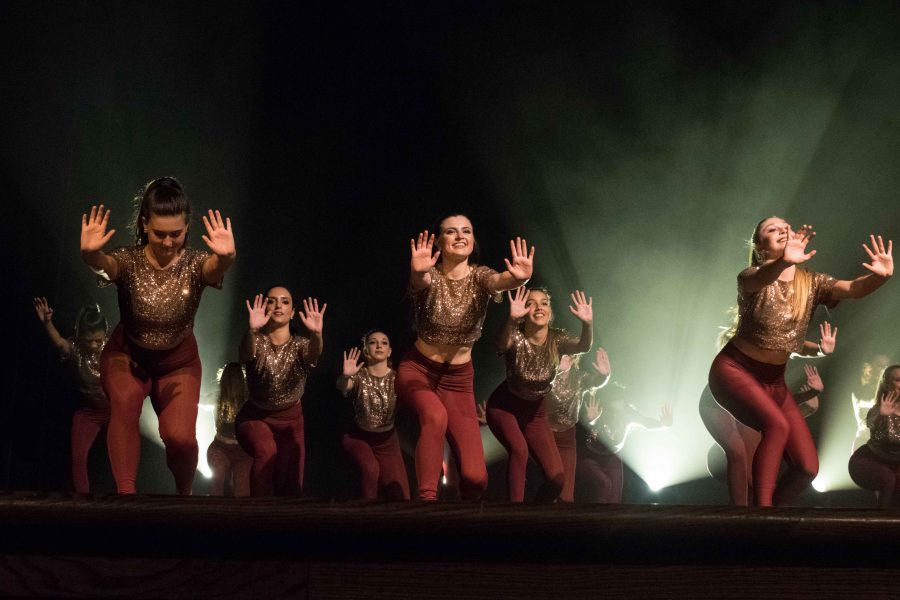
(515, 411)
(152, 351)
(82, 353)
(776, 300)
(270, 426)
(435, 379)
(372, 443)
(229, 464)
(876, 464)
(564, 402)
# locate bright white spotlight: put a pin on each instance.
(819, 484)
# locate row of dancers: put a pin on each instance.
(152, 351)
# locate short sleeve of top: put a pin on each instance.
(530, 369)
(453, 311)
(276, 376)
(158, 307)
(766, 316)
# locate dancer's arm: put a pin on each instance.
(826, 345)
(220, 240)
(582, 308)
(45, 316)
(881, 265)
(807, 397)
(600, 372)
(421, 261)
(351, 367)
(518, 270)
(313, 319)
(257, 318)
(517, 311)
(93, 238)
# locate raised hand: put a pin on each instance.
(666, 417)
(522, 264)
(43, 310)
(795, 246)
(887, 403)
(592, 409)
(218, 236)
(582, 307)
(812, 378)
(93, 229)
(420, 249)
(311, 317)
(258, 315)
(881, 262)
(828, 339)
(601, 363)
(517, 308)
(352, 364)
(480, 413)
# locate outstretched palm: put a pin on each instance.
(601, 363)
(795, 246)
(522, 264)
(93, 229)
(311, 317)
(881, 261)
(258, 317)
(420, 249)
(218, 236)
(813, 380)
(582, 307)
(43, 310)
(828, 340)
(517, 308)
(351, 363)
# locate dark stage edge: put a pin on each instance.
(55, 545)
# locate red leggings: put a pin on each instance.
(86, 425)
(171, 378)
(275, 441)
(442, 397)
(229, 465)
(871, 472)
(602, 476)
(521, 425)
(565, 443)
(377, 455)
(755, 393)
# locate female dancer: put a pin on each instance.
(372, 443)
(776, 299)
(862, 399)
(876, 464)
(229, 464)
(435, 379)
(152, 351)
(82, 352)
(515, 411)
(738, 441)
(564, 406)
(270, 425)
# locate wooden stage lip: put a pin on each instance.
(295, 529)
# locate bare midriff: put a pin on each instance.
(765, 355)
(444, 353)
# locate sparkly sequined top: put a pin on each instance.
(225, 429)
(885, 434)
(530, 369)
(276, 375)
(374, 401)
(563, 403)
(765, 315)
(452, 311)
(157, 306)
(86, 364)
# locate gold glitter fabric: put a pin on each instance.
(452, 312)
(530, 369)
(374, 401)
(765, 316)
(885, 434)
(276, 377)
(86, 364)
(157, 307)
(563, 402)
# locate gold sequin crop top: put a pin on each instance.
(86, 364)
(374, 401)
(276, 375)
(530, 369)
(564, 400)
(452, 311)
(765, 315)
(885, 434)
(157, 307)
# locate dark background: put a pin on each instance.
(634, 145)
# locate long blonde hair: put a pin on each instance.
(232, 392)
(802, 279)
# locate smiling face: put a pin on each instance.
(892, 380)
(770, 238)
(165, 234)
(456, 238)
(377, 347)
(541, 312)
(280, 305)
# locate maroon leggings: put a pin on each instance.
(86, 425)
(565, 443)
(871, 472)
(602, 476)
(442, 397)
(377, 455)
(521, 425)
(755, 393)
(171, 378)
(275, 441)
(230, 467)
